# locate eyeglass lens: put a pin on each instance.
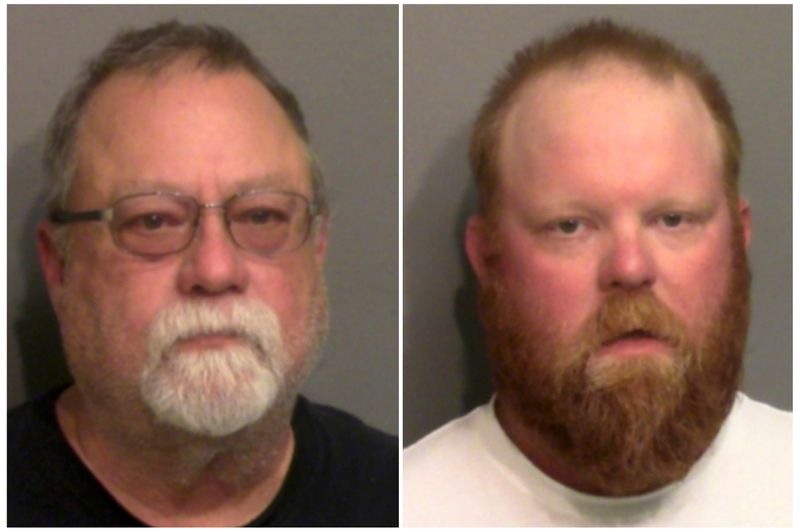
(262, 222)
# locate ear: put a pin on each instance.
(476, 243)
(746, 222)
(51, 258)
(321, 240)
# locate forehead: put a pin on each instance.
(607, 113)
(194, 130)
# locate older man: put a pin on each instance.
(183, 256)
(610, 249)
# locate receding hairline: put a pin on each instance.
(604, 68)
(585, 66)
(180, 66)
(582, 42)
(145, 77)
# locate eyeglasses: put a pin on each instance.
(157, 224)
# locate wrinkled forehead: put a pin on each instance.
(186, 126)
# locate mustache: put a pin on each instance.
(252, 321)
(633, 314)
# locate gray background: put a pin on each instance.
(342, 63)
(451, 56)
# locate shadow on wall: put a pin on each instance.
(445, 371)
(34, 324)
(478, 386)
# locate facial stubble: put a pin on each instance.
(629, 425)
(220, 391)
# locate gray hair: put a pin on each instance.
(151, 50)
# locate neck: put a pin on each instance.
(166, 477)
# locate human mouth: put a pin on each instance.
(637, 342)
(201, 342)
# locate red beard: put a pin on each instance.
(633, 424)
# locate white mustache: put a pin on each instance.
(246, 378)
(251, 320)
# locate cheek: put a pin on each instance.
(287, 286)
(112, 303)
(135, 295)
(694, 285)
(561, 293)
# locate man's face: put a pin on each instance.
(614, 280)
(206, 135)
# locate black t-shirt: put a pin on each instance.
(343, 473)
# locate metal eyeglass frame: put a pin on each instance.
(61, 216)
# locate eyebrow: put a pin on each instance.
(574, 206)
(694, 203)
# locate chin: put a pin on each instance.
(213, 393)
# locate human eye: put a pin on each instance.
(565, 227)
(676, 220)
(151, 222)
(262, 216)
(150, 215)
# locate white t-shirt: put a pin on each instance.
(469, 473)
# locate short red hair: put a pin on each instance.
(601, 39)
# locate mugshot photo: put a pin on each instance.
(203, 243)
(597, 265)
(422, 265)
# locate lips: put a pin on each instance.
(634, 342)
(209, 340)
(634, 334)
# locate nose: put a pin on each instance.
(627, 263)
(212, 265)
